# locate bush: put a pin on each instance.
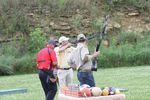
(126, 54)
(111, 58)
(142, 57)
(25, 64)
(36, 41)
(7, 49)
(6, 65)
(13, 18)
(126, 37)
(141, 4)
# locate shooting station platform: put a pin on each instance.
(110, 97)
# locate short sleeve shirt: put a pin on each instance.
(78, 55)
(63, 56)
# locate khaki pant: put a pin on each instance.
(65, 77)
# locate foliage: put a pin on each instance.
(7, 49)
(126, 54)
(61, 7)
(19, 48)
(141, 4)
(25, 64)
(15, 14)
(96, 23)
(76, 22)
(36, 41)
(125, 48)
(128, 37)
(6, 65)
(13, 18)
(7, 58)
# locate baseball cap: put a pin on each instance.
(53, 42)
(63, 38)
(81, 37)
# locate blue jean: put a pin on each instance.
(49, 88)
(86, 78)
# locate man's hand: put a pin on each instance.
(68, 44)
(62, 48)
(53, 79)
(95, 54)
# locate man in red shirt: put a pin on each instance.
(46, 62)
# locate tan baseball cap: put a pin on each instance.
(81, 37)
(62, 39)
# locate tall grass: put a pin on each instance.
(6, 65)
(13, 18)
(25, 64)
(124, 56)
(127, 53)
(19, 57)
(140, 4)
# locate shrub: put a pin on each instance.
(6, 65)
(76, 22)
(36, 41)
(96, 23)
(13, 18)
(127, 37)
(126, 54)
(141, 4)
(7, 49)
(142, 57)
(25, 64)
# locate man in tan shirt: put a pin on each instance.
(82, 60)
(65, 72)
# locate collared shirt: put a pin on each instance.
(78, 55)
(63, 56)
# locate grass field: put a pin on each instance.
(135, 79)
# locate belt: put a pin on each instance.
(64, 68)
(81, 70)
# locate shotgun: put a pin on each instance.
(99, 39)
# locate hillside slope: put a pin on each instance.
(68, 17)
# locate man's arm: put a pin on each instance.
(54, 62)
(53, 58)
(70, 60)
(64, 47)
(93, 56)
(86, 56)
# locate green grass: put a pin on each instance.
(135, 79)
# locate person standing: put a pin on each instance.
(82, 59)
(46, 62)
(65, 72)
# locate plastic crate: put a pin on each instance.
(71, 90)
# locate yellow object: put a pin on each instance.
(105, 92)
(117, 91)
